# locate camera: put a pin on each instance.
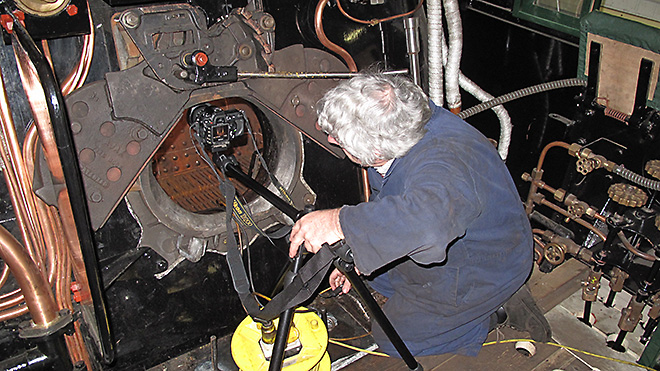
(215, 127)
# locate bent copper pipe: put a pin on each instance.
(38, 296)
(320, 33)
(74, 185)
(350, 62)
(578, 220)
(14, 172)
(38, 103)
(13, 313)
(545, 150)
(634, 250)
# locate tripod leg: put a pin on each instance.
(284, 327)
(378, 314)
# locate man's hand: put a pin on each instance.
(315, 229)
(337, 279)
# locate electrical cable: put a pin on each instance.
(571, 349)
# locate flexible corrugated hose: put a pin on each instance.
(547, 86)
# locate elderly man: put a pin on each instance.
(444, 236)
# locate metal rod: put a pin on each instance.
(214, 353)
(618, 343)
(411, 25)
(312, 75)
(586, 314)
(74, 184)
(610, 298)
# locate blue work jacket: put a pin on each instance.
(444, 237)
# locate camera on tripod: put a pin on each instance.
(216, 127)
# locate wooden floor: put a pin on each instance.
(549, 290)
(559, 296)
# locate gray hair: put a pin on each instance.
(375, 116)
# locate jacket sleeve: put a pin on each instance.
(433, 204)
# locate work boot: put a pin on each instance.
(524, 315)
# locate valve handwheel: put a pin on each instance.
(627, 195)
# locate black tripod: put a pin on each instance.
(343, 262)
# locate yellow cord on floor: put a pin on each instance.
(571, 349)
(357, 349)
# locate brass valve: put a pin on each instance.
(627, 195)
(268, 332)
(585, 165)
(554, 253)
(587, 160)
(591, 286)
(618, 278)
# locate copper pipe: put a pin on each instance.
(56, 237)
(542, 185)
(46, 50)
(78, 75)
(538, 231)
(62, 285)
(13, 300)
(38, 296)
(634, 250)
(320, 33)
(375, 21)
(539, 165)
(537, 241)
(580, 221)
(37, 100)
(13, 313)
(366, 189)
(71, 235)
(5, 275)
(42, 210)
(47, 216)
(14, 172)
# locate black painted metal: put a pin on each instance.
(594, 65)
(50, 353)
(618, 343)
(235, 172)
(284, 326)
(586, 314)
(642, 91)
(74, 183)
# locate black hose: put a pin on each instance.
(74, 182)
